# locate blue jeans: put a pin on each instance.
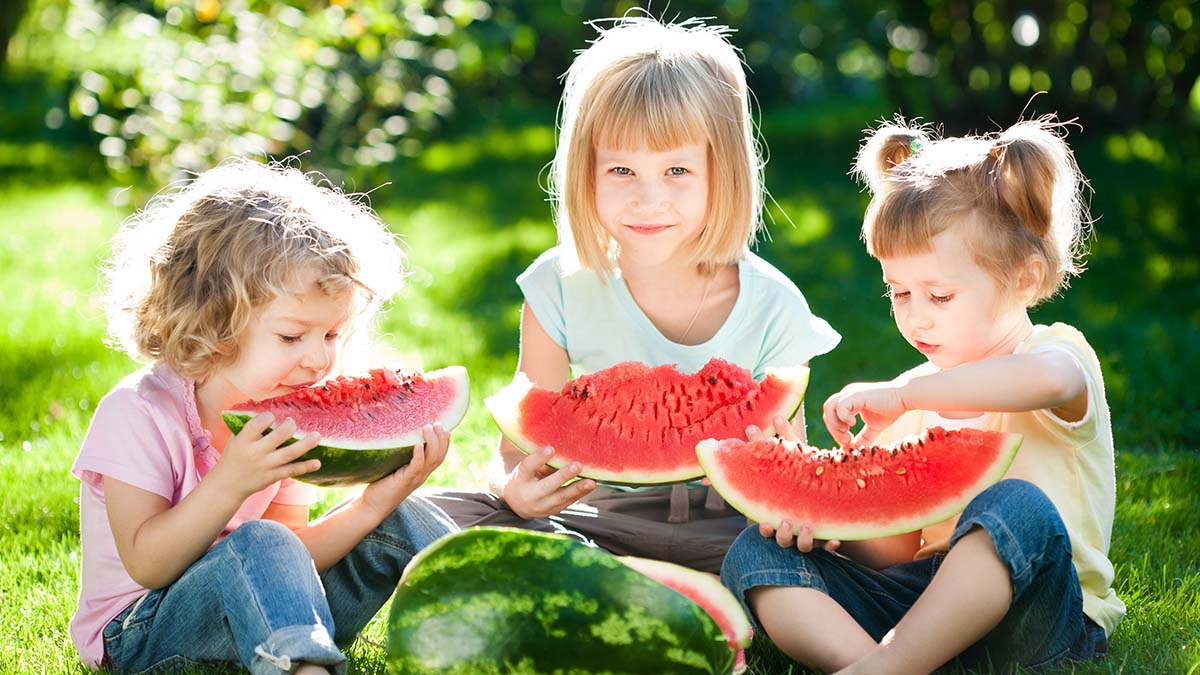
(1044, 624)
(256, 598)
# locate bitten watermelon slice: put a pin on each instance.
(704, 590)
(503, 600)
(639, 425)
(368, 424)
(858, 493)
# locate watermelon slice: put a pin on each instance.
(368, 424)
(638, 425)
(503, 600)
(704, 590)
(862, 492)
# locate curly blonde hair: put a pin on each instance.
(647, 84)
(1017, 194)
(188, 272)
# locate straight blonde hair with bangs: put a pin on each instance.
(646, 84)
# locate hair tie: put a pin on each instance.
(914, 146)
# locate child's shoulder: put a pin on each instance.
(1060, 336)
(154, 391)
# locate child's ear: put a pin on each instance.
(1029, 280)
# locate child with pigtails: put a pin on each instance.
(970, 233)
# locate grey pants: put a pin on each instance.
(620, 522)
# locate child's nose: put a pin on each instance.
(316, 357)
(651, 195)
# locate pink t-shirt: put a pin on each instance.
(147, 433)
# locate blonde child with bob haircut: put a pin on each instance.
(970, 233)
(243, 284)
(657, 188)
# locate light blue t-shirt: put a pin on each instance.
(600, 325)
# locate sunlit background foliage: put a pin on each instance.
(170, 85)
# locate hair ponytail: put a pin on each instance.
(884, 149)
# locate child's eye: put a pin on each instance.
(621, 171)
(332, 336)
(895, 294)
(289, 339)
(941, 299)
(677, 171)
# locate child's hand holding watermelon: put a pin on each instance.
(788, 534)
(385, 494)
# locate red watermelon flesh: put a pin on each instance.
(368, 424)
(637, 424)
(704, 590)
(861, 492)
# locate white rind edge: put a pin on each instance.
(451, 416)
(709, 585)
(848, 531)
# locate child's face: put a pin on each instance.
(652, 203)
(292, 342)
(949, 308)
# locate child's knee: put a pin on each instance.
(1021, 506)
(263, 534)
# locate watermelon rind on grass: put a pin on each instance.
(364, 453)
(502, 600)
(633, 424)
(858, 492)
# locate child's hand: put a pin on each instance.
(385, 494)
(536, 490)
(800, 537)
(878, 403)
(252, 461)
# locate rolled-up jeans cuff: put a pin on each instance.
(288, 647)
(1007, 545)
(776, 577)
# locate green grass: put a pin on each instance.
(473, 217)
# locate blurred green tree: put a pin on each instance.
(169, 85)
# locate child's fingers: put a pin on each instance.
(783, 535)
(294, 469)
(288, 453)
(282, 432)
(530, 467)
(831, 545)
(257, 425)
(804, 539)
(783, 428)
(766, 530)
(559, 478)
(753, 433)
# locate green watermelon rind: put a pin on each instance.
(505, 406)
(345, 462)
(505, 600)
(706, 452)
(712, 588)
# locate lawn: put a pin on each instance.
(473, 217)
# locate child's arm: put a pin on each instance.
(530, 487)
(157, 542)
(1015, 383)
(329, 539)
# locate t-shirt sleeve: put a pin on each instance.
(542, 285)
(794, 334)
(294, 493)
(125, 442)
(1064, 340)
